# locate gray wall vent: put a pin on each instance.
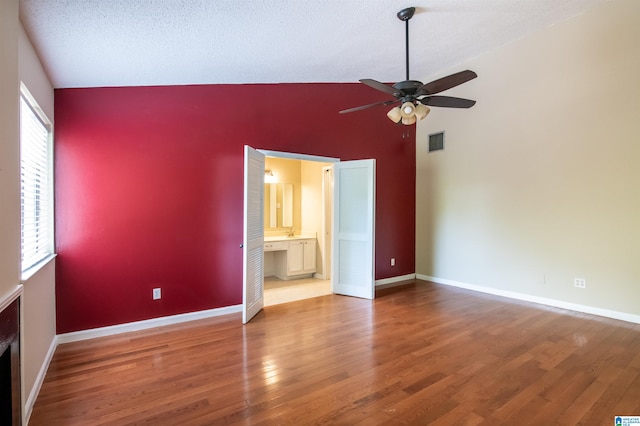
(436, 141)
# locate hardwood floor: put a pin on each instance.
(419, 354)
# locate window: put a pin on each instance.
(36, 190)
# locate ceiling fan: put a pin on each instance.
(412, 95)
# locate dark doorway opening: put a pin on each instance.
(10, 411)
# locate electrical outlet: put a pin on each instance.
(157, 294)
(580, 282)
(393, 261)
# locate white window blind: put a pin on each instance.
(35, 185)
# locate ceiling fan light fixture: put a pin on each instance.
(422, 111)
(409, 120)
(395, 114)
(407, 110)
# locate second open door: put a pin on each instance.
(353, 242)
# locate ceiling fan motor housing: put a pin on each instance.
(408, 87)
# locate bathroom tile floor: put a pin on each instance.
(277, 291)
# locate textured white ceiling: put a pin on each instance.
(93, 43)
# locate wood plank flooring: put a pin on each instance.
(419, 354)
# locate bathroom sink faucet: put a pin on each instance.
(292, 232)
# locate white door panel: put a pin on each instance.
(352, 270)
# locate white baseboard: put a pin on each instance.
(145, 324)
(35, 390)
(622, 316)
(394, 280)
(176, 319)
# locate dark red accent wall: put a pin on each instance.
(149, 188)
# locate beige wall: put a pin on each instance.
(312, 206)
(39, 330)
(538, 183)
(9, 149)
(311, 195)
(19, 62)
(39, 314)
(33, 75)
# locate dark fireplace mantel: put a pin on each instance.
(10, 411)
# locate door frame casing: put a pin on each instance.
(293, 156)
(327, 220)
(317, 159)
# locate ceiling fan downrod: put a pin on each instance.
(405, 15)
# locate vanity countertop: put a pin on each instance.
(285, 238)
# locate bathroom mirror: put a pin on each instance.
(278, 205)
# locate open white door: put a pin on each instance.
(253, 242)
(352, 270)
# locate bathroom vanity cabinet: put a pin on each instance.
(290, 257)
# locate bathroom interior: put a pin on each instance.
(297, 230)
